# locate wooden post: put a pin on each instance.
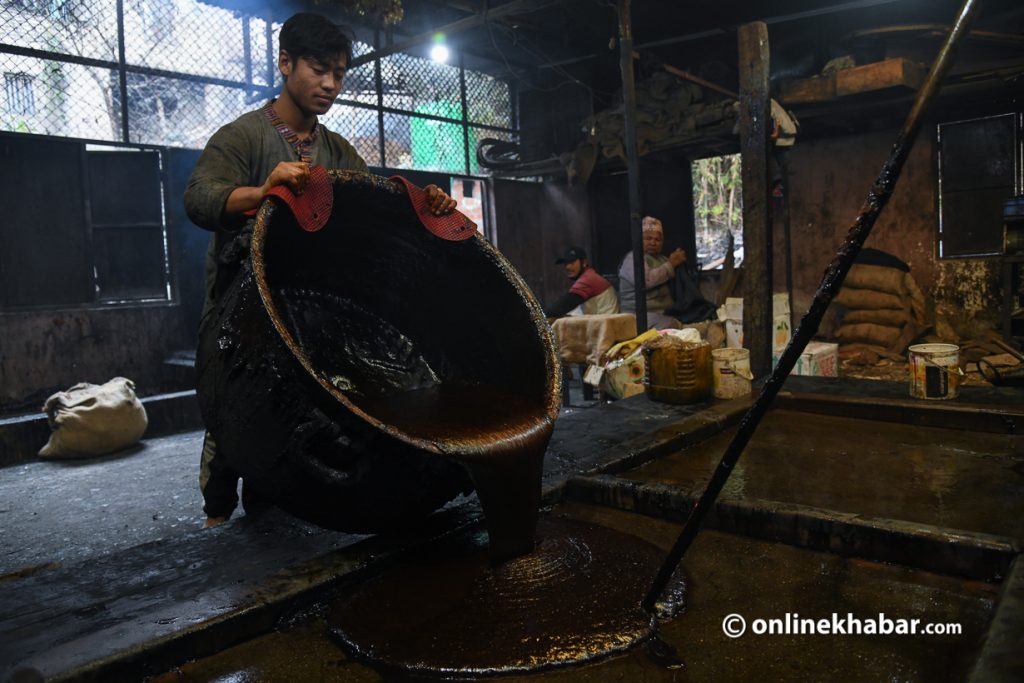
(633, 162)
(782, 159)
(755, 123)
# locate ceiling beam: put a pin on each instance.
(709, 33)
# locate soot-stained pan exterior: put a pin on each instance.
(317, 326)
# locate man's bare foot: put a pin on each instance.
(214, 521)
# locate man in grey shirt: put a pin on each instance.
(274, 145)
(658, 273)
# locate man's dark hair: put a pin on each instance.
(315, 36)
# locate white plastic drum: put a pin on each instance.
(934, 371)
(731, 372)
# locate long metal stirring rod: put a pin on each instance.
(836, 272)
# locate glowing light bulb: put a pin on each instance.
(439, 53)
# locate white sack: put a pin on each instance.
(90, 419)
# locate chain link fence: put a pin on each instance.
(170, 72)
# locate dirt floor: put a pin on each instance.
(894, 371)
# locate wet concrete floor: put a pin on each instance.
(727, 575)
(65, 511)
(950, 478)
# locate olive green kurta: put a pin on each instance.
(242, 154)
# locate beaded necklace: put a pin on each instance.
(303, 148)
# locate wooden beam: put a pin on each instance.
(632, 162)
(891, 73)
(755, 118)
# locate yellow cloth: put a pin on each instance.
(626, 348)
(585, 338)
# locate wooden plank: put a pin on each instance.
(891, 73)
(1007, 419)
(807, 90)
(754, 124)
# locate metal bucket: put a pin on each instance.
(321, 331)
(731, 376)
(934, 371)
(678, 372)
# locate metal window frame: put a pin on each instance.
(18, 88)
(254, 92)
(122, 68)
(1018, 179)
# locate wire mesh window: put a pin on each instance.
(359, 126)
(186, 36)
(72, 27)
(488, 100)
(424, 144)
(190, 66)
(68, 100)
(414, 83)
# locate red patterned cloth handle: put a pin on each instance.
(454, 227)
(313, 207)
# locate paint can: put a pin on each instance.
(934, 371)
(731, 375)
(677, 371)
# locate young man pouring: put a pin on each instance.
(274, 145)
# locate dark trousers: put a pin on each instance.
(219, 484)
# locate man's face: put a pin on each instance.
(313, 85)
(574, 268)
(653, 241)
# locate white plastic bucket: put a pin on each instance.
(730, 372)
(934, 371)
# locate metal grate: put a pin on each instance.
(359, 126)
(186, 36)
(177, 112)
(424, 144)
(48, 97)
(189, 67)
(71, 27)
(412, 83)
(488, 100)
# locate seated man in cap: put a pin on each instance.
(659, 271)
(589, 289)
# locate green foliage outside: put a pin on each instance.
(717, 206)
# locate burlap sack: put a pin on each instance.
(90, 419)
(868, 333)
(851, 297)
(918, 300)
(881, 316)
(876, 278)
(848, 351)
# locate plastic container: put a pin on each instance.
(730, 370)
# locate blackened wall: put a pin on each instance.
(534, 224)
(45, 349)
(666, 192)
(830, 180)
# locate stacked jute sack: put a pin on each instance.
(885, 311)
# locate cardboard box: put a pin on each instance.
(781, 332)
(819, 359)
(624, 378)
